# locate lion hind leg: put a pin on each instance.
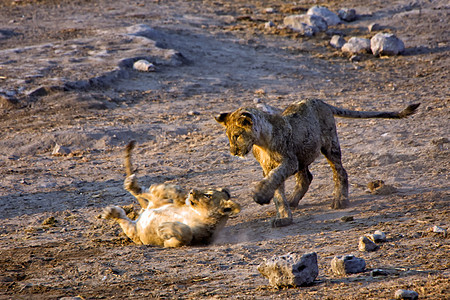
(333, 155)
(175, 234)
(303, 179)
(118, 214)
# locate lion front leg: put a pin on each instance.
(284, 214)
(175, 234)
(118, 214)
(265, 190)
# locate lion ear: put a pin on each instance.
(245, 120)
(222, 118)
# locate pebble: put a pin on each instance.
(439, 230)
(348, 264)
(337, 41)
(374, 27)
(60, 150)
(269, 24)
(406, 294)
(144, 66)
(365, 244)
(290, 269)
(356, 45)
(347, 14)
(378, 237)
(386, 44)
(330, 17)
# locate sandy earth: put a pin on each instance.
(66, 78)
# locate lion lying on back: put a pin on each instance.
(172, 217)
(286, 142)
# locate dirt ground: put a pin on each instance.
(65, 78)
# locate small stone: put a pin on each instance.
(406, 294)
(439, 230)
(193, 113)
(349, 264)
(330, 17)
(347, 14)
(269, 24)
(356, 45)
(378, 187)
(60, 150)
(347, 218)
(386, 44)
(374, 27)
(50, 221)
(355, 58)
(290, 269)
(270, 10)
(366, 245)
(337, 41)
(378, 237)
(378, 272)
(8, 102)
(144, 66)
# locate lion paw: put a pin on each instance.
(281, 222)
(113, 212)
(340, 203)
(262, 194)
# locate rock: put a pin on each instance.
(60, 150)
(343, 265)
(406, 294)
(337, 41)
(356, 45)
(374, 27)
(365, 244)
(193, 113)
(347, 218)
(355, 58)
(378, 237)
(347, 14)
(50, 221)
(270, 10)
(290, 269)
(269, 24)
(7, 102)
(144, 66)
(330, 17)
(297, 23)
(378, 272)
(439, 230)
(378, 187)
(386, 44)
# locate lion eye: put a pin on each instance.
(236, 136)
(208, 196)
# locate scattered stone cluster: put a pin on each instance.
(295, 270)
(319, 18)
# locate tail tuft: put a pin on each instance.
(411, 109)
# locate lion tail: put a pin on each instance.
(345, 113)
(128, 166)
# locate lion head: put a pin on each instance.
(212, 202)
(239, 130)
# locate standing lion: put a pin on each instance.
(286, 143)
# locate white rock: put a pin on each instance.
(406, 294)
(365, 244)
(386, 44)
(337, 41)
(347, 14)
(297, 22)
(144, 66)
(330, 17)
(349, 264)
(290, 269)
(60, 150)
(356, 45)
